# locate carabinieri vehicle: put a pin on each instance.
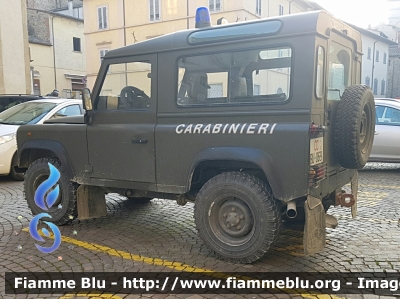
(251, 121)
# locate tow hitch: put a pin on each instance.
(344, 200)
(349, 200)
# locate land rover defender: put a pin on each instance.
(252, 121)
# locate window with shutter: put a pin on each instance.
(281, 9)
(258, 7)
(103, 17)
(214, 5)
(102, 54)
(154, 10)
(77, 44)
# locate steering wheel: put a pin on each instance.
(139, 98)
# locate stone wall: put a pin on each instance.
(52, 4)
(393, 88)
(39, 27)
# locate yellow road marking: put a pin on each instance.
(380, 186)
(168, 264)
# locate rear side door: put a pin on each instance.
(121, 132)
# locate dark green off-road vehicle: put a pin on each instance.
(253, 122)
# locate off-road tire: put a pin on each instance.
(38, 172)
(233, 196)
(355, 126)
(13, 174)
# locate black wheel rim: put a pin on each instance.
(365, 128)
(231, 220)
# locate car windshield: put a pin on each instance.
(25, 113)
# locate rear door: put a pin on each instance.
(340, 74)
(121, 133)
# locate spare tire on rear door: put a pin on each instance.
(355, 126)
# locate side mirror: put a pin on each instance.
(87, 102)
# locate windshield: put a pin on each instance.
(25, 113)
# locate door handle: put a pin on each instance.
(376, 133)
(139, 141)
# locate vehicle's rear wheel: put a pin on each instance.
(64, 209)
(237, 217)
(13, 174)
(355, 126)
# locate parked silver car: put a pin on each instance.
(386, 146)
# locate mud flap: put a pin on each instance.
(314, 238)
(91, 202)
(354, 191)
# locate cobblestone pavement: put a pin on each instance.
(161, 236)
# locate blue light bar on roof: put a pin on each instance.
(203, 18)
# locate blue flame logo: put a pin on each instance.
(45, 187)
(46, 202)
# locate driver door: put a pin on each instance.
(121, 133)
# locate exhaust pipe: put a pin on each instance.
(291, 211)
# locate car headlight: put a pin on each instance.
(7, 138)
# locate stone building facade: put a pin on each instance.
(393, 90)
(57, 46)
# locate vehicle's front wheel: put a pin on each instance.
(64, 209)
(237, 217)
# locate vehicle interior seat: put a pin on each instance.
(198, 86)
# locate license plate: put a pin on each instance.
(316, 150)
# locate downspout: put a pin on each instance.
(123, 19)
(391, 90)
(54, 52)
(124, 28)
(187, 14)
(373, 67)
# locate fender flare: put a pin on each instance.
(48, 145)
(243, 154)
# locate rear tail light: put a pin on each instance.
(316, 174)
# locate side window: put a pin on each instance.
(127, 86)
(390, 116)
(71, 110)
(339, 70)
(319, 82)
(379, 110)
(255, 76)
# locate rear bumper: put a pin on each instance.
(334, 180)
